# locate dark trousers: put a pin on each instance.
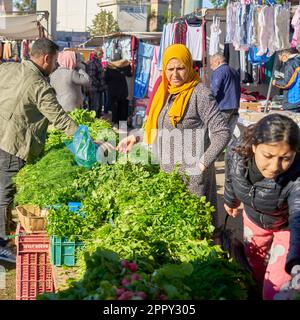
(231, 117)
(9, 167)
(105, 101)
(96, 102)
(119, 108)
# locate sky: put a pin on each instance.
(207, 4)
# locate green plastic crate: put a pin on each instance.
(63, 252)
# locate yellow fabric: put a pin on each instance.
(183, 92)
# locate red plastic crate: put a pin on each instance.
(33, 276)
(33, 268)
(34, 242)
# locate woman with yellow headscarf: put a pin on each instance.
(182, 112)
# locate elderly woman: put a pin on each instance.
(67, 81)
(182, 113)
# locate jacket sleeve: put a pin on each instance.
(216, 82)
(229, 196)
(80, 77)
(293, 256)
(213, 120)
(290, 74)
(127, 71)
(47, 104)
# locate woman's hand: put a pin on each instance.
(233, 212)
(126, 144)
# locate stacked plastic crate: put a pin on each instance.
(63, 251)
(33, 269)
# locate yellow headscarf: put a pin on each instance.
(183, 93)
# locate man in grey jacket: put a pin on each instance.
(27, 105)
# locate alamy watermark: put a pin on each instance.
(171, 147)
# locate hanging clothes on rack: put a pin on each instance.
(194, 41)
(243, 27)
(142, 74)
(266, 36)
(255, 26)
(154, 72)
(215, 32)
(282, 26)
(7, 50)
(14, 49)
(125, 46)
(231, 18)
(296, 25)
(24, 49)
(180, 32)
(167, 39)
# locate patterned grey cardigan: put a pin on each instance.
(200, 136)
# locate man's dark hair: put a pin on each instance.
(44, 46)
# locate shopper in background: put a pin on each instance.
(97, 86)
(81, 64)
(115, 77)
(68, 80)
(225, 85)
(290, 83)
(263, 173)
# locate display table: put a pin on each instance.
(247, 117)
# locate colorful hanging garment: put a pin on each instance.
(142, 75)
(296, 26)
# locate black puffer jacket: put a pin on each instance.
(272, 204)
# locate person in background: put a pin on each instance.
(290, 83)
(81, 65)
(183, 110)
(262, 171)
(28, 105)
(115, 78)
(67, 81)
(225, 85)
(96, 73)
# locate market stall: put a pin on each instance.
(208, 31)
(129, 230)
(141, 49)
(17, 34)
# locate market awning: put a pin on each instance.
(98, 40)
(17, 27)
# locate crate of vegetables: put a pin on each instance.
(63, 251)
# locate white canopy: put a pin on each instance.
(15, 27)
